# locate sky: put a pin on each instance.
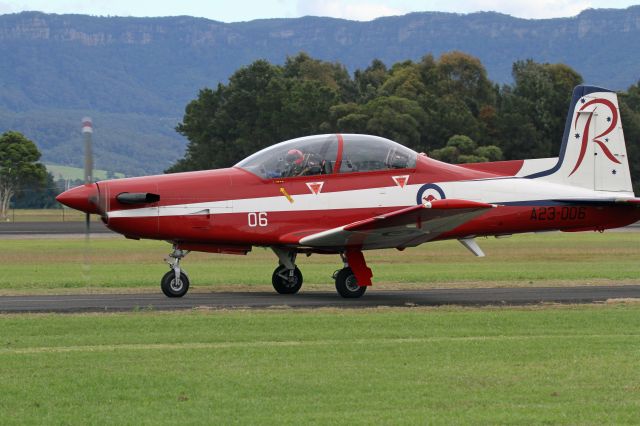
(360, 10)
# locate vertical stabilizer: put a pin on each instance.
(593, 153)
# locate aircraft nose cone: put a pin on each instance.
(83, 198)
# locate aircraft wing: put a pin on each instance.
(407, 227)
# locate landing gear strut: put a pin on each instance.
(175, 283)
(287, 278)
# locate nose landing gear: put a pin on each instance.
(286, 281)
(287, 278)
(175, 283)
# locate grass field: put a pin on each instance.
(560, 365)
(447, 365)
(117, 264)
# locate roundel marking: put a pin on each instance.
(428, 192)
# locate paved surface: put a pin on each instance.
(49, 228)
(261, 300)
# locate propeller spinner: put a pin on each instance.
(83, 198)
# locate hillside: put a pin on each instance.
(134, 76)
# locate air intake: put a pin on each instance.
(137, 198)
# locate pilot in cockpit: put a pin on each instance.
(294, 163)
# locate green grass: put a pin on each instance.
(77, 173)
(524, 260)
(568, 365)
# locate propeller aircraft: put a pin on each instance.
(343, 194)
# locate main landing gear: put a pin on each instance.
(347, 284)
(351, 281)
(175, 283)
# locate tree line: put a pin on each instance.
(446, 107)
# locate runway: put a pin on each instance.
(25, 229)
(314, 299)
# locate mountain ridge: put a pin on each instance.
(119, 66)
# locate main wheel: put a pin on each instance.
(347, 285)
(282, 284)
(172, 287)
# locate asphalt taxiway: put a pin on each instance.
(317, 299)
(25, 229)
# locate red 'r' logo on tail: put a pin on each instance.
(585, 133)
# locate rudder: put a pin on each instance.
(593, 154)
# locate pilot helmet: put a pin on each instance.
(294, 156)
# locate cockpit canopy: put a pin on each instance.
(329, 154)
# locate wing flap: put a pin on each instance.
(401, 228)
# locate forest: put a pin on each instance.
(446, 107)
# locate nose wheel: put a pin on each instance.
(286, 281)
(172, 287)
(175, 283)
(287, 278)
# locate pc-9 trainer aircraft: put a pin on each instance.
(344, 194)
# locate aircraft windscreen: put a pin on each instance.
(308, 156)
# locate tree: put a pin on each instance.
(369, 81)
(396, 118)
(463, 149)
(404, 82)
(18, 167)
(39, 197)
(463, 76)
(331, 75)
(630, 116)
(532, 112)
(263, 104)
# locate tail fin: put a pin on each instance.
(593, 154)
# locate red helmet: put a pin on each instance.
(294, 156)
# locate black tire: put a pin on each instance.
(282, 285)
(169, 287)
(347, 285)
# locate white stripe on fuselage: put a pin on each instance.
(496, 191)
